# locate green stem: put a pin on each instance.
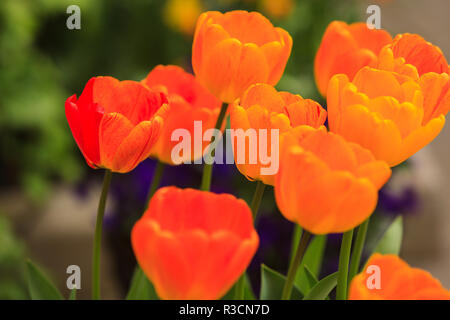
(98, 236)
(73, 294)
(344, 256)
(295, 239)
(207, 168)
(295, 263)
(257, 197)
(358, 249)
(239, 292)
(156, 180)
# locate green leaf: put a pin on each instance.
(391, 241)
(310, 277)
(312, 280)
(248, 291)
(272, 284)
(141, 288)
(313, 260)
(39, 286)
(322, 288)
(295, 239)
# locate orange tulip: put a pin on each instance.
(115, 123)
(194, 244)
(326, 184)
(387, 277)
(383, 111)
(346, 49)
(234, 50)
(188, 102)
(262, 107)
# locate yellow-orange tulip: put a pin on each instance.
(346, 49)
(262, 107)
(384, 112)
(387, 277)
(234, 50)
(326, 184)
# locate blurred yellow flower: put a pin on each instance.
(277, 9)
(181, 15)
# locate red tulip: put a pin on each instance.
(115, 123)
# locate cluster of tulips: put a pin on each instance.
(386, 99)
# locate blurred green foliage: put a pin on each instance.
(34, 144)
(12, 267)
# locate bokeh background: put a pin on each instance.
(48, 195)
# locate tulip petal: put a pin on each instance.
(249, 27)
(264, 95)
(171, 268)
(306, 111)
(377, 172)
(356, 205)
(129, 98)
(136, 146)
(277, 54)
(372, 39)
(368, 129)
(114, 128)
(406, 116)
(234, 258)
(84, 121)
(375, 83)
(420, 53)
(419, 138)
(226, 246)
(332, 149)
(436, 90)
(207, 35)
